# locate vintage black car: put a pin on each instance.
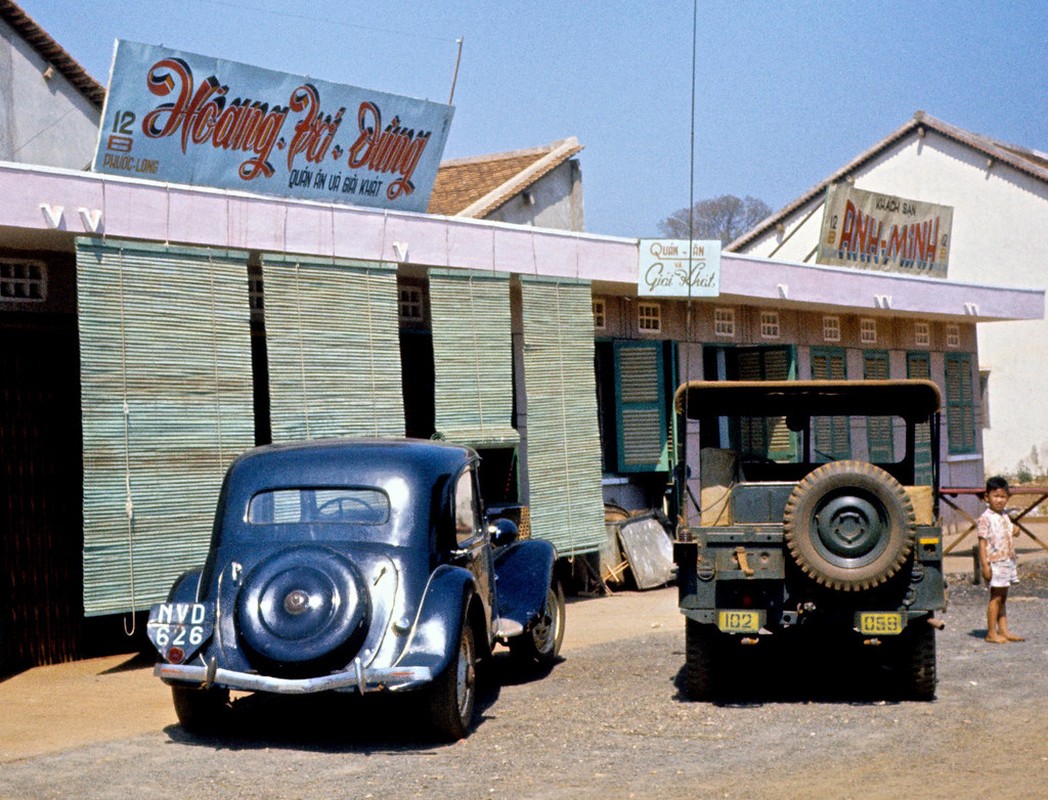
(808, 524)
(355, 566)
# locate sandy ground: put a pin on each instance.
(54, 708)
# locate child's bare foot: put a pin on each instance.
(996, 640)
(1011, 637)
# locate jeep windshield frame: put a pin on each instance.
(721, 406)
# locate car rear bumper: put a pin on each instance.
(355, 678)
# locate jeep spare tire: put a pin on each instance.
(849, 525)
(303, 606)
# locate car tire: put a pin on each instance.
(541, 642)
(200, 710)
(918, 661)
(701, 647)
(452, 697)
(849, 525)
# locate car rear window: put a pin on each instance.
(341, 505)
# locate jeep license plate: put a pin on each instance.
(881, 623)
(742, 621)
(182, 625)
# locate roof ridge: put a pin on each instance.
(506, 155)
(52, 52)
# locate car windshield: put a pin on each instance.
(345, 505)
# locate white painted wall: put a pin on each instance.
(46, 122)
(555, 201)
(1000, 238)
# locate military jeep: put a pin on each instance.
(798, 522)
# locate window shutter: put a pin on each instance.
(767, 436)
(563, 442)
(960, 403)
(333, 344)
(918, 365)
(166, 399)
(832, 439)
(879, 434)
(473, 358)
(641, 401)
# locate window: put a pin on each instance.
(918, 365)
(466, 523)
(769, 324)
(879, 434)
(769, 437)
(349, 505)
(960, 403)
(953, 336)
(410, 304)
(831, 329)
(832, 438)
(724, 321)
(868, 331)
(23, 281)
(649, 317)
(922, 334)
(600, 320)
(641, 430)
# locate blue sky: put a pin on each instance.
(786, 92)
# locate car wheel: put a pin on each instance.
(200, 710)
(541, 643)
(919, 661)
(453, 694)
(700, 654)
(849, 525)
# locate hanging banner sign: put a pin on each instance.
(880, 231)
(186, 118)
(679, 268)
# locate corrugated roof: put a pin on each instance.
(1024, 159)
(476, 186)
(52, 52)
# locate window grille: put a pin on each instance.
(599, 314)
(922, 334)
(953, 336)
(770, 325)
(23, 281)
(724, 321)
(831, 329)
(868, 331)
(410, 304)
(649, 317)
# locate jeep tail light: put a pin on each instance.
(176, 655)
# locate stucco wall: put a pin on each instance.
(554, 201)
(46, 122)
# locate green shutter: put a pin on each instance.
(332, 337)
(960, 403)
(832, 439)
(167, 331)
(473, 357)
(641, 407)
(918, 365)
(563, 442)
(879, 434)
(766, 436)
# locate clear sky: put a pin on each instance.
(786, 92)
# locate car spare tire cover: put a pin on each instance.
(302, 605)
(849, 525)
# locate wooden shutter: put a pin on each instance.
(641, 407)
(166, 400)
(473, 357)
(879, 434)
(332, 339)
(832, 439)
(767, 436)
(918, 365)
(563, 441)
(960, 403)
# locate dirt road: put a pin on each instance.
(608, 721)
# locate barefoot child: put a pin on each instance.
(997, 559)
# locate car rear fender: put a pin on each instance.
(447, 604)
(185, 589)
(523, 574)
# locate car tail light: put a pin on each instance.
(176, 655)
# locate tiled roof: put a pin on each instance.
(1023, 159)
(52, 52)
(476, 186)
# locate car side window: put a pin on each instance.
(466, 521)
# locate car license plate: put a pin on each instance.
(743, 621)
(182, 625)
(881, 623)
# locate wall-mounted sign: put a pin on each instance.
(679, 268)
(185, 118)
(880, 231)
